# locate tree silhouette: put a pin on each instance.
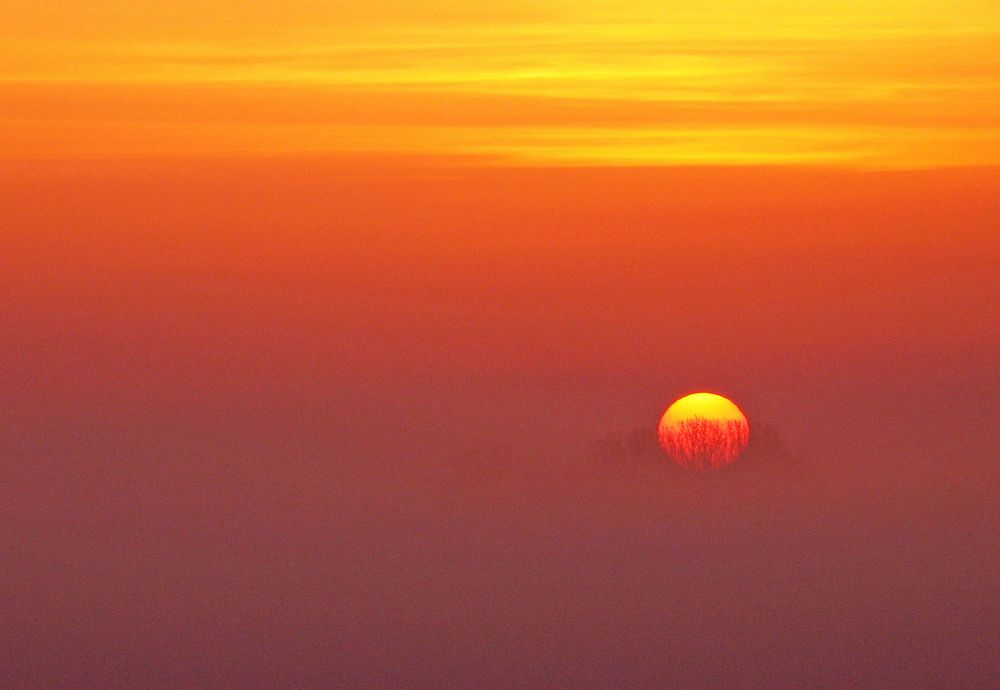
(699, 443)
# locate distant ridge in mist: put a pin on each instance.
(638, 447)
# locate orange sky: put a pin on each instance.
(334, 335)
(890, 84)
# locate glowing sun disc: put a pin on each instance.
(703, 431)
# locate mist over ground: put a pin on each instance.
(262, 431)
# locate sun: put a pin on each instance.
(703, 431)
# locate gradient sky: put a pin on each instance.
(333, 338)
(885, 85)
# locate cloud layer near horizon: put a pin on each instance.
(540, 83)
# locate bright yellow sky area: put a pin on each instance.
(862, 84)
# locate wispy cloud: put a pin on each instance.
(896, 87)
